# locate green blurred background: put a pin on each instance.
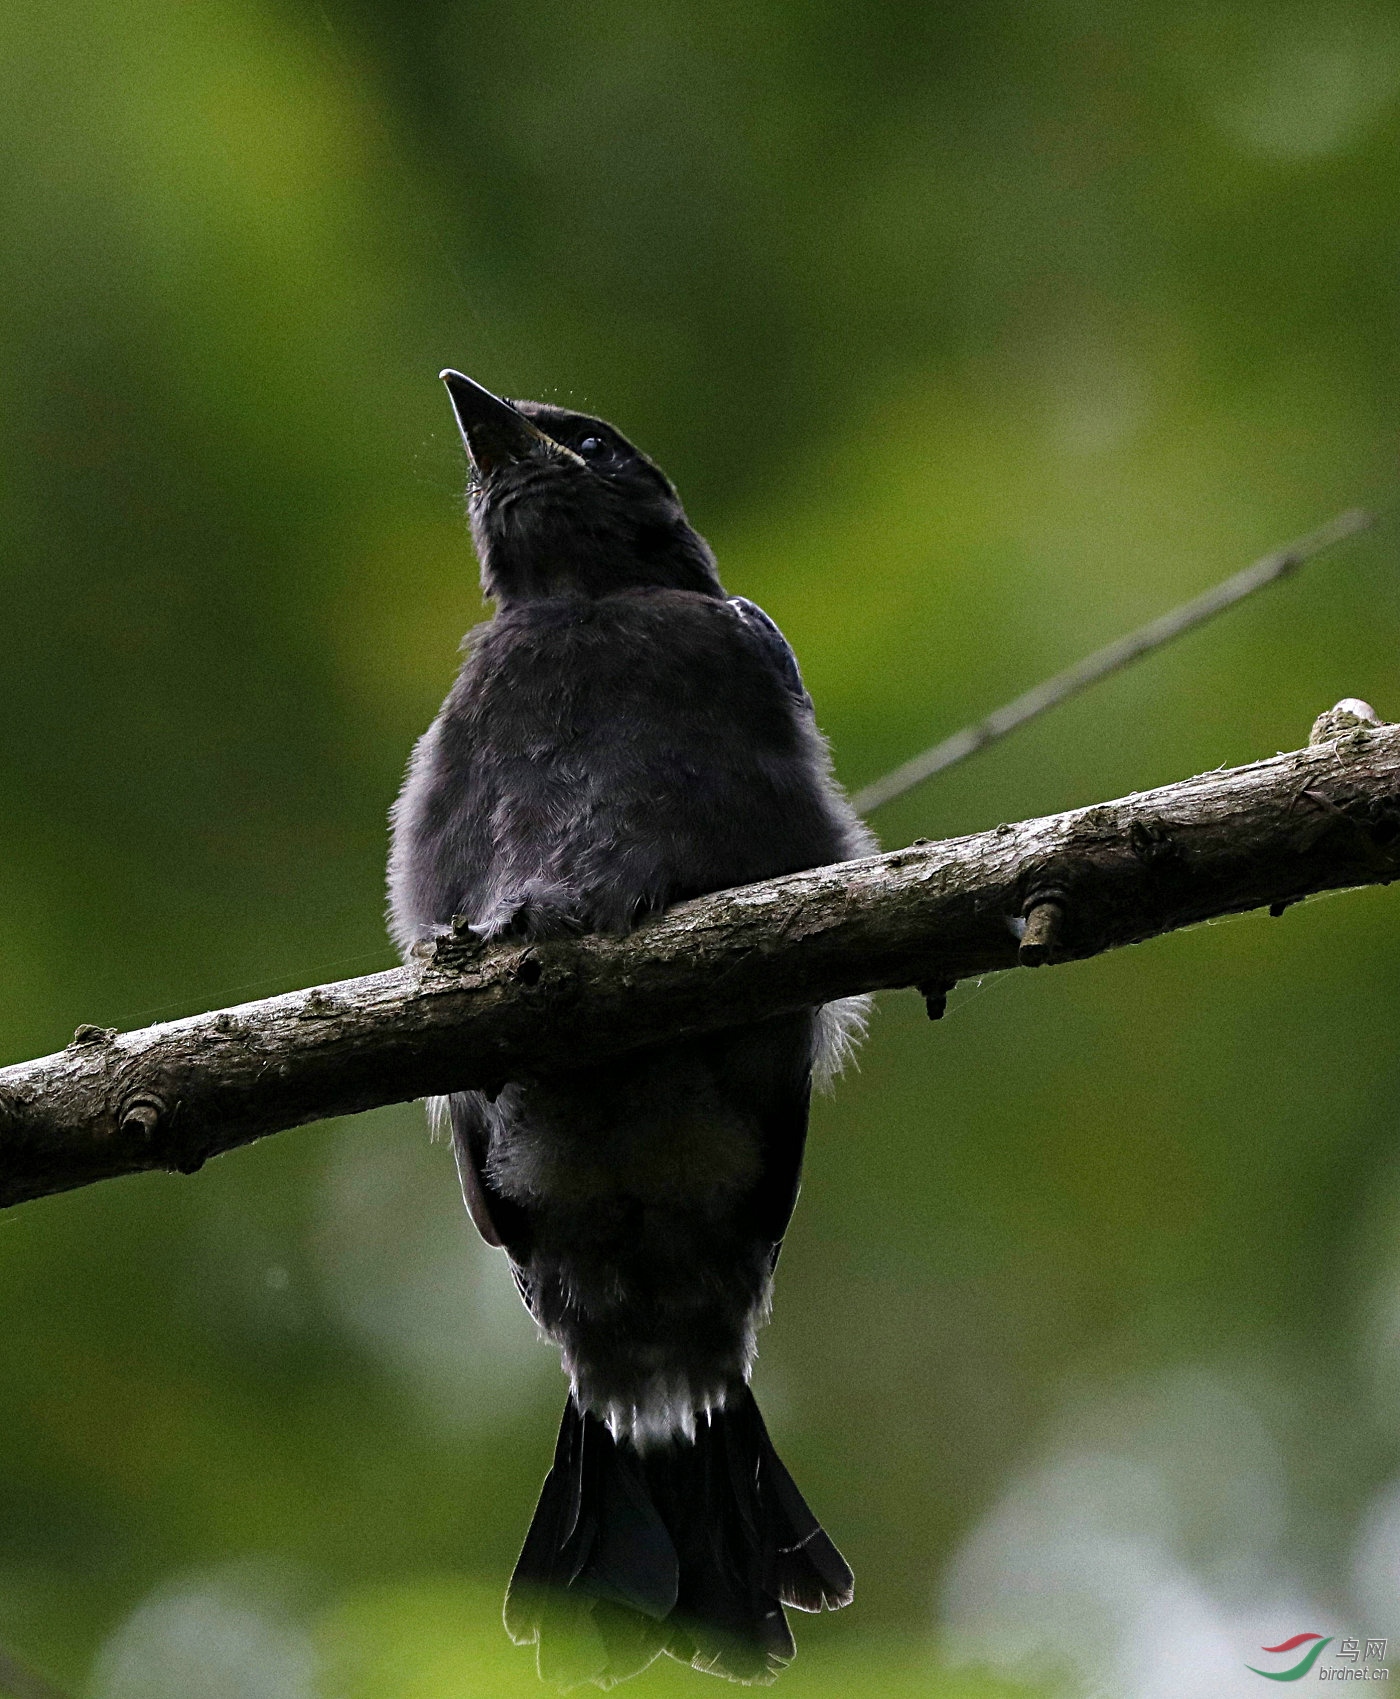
(972, 334)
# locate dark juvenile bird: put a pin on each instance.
(623, 735)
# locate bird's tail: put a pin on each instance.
(692, 1548)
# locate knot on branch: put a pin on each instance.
(529, 970)
(548, 973)
(1349, 715)
(140, 1117)
(148, 1121)
(1044, 914)
(935, 995)
(88, 1034)
(1155, 845)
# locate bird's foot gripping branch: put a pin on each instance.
(1051, 890)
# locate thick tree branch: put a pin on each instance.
(1056, 889)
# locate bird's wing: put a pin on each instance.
(765, 1072)
(772, 644)
(499, 1220)
(470, 1142)
(785, 1139)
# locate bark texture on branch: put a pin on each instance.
(1049, 890)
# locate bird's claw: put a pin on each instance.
(458, 941)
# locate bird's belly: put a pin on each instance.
(656, 1132)
(642, 1266)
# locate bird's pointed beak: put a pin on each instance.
(495, 432)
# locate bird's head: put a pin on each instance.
(562, 504)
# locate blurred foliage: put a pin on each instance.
(972, 334)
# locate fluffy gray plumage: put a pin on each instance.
(623, 735)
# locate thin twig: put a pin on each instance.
(1111, 658)
(18, 1681)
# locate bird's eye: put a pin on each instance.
(592, 446)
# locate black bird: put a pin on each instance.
(622, 735)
